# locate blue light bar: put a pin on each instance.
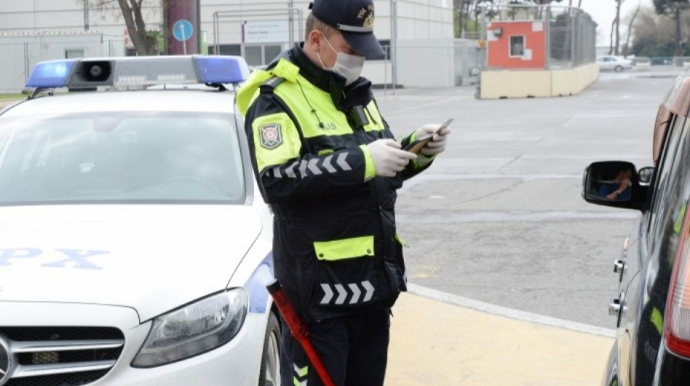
(54, 73)
(141, 71)
(221, 69)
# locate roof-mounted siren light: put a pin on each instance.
(51, 74)
(221, 69)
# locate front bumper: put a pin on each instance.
(235, 363)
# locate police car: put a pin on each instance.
(134, 246)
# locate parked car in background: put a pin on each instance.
(614, 63)
(652, 306)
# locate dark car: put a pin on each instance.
(652, 307)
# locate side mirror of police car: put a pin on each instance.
(615, 184)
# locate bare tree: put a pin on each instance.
(630, 29)
(132, 12)
(618, 26)
(611, 39)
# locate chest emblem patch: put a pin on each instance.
(271, 136)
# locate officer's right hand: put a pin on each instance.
(388, 158)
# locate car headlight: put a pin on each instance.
(194, 329)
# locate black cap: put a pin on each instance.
(354, 19)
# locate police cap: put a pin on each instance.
(354, 19)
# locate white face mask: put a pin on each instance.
(346, 65)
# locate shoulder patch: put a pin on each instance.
(271, 136)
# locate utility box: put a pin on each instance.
(20, 51)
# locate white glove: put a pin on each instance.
(388, 158)
(438, 144)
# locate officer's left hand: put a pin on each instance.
(438, 144)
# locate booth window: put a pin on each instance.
(517, 46)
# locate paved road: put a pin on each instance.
(499, 217)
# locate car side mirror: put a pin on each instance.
(615, 184)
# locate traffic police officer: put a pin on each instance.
(328, 164)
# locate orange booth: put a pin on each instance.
(516, 45)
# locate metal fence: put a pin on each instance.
(571, 37)
(570, 33)
(18, 59)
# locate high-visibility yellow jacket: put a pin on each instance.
(336, 248)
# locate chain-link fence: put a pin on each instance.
(17, 60)
(571, 37)
(549, 37)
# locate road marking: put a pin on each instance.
(421, 179)
(508, 312)
(513, 216)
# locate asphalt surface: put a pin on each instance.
(499, 217)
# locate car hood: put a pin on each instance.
(150, 258)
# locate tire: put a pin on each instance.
(611, 374)
(618, 69)
(270, 358)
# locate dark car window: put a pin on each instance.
(152, 157)
(670, 218)
(664, 169)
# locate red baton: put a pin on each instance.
(298, 328)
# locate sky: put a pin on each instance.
(604, 11)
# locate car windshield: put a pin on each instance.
(129, 157)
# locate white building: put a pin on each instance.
(226, 24)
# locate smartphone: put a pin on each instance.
(417, 145)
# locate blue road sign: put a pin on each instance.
(183, 30)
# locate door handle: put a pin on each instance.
(614, 307)
(618, 266)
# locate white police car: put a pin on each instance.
(134, 246)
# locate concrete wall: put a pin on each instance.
(437, 62)
(378, 72)
(537, 84)
(426, 63)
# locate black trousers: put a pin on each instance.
(353, 349)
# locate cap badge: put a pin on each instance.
(367, 14)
